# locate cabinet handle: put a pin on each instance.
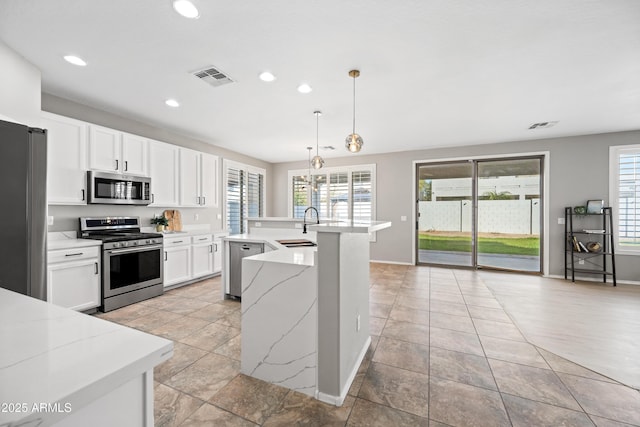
(96, 266)
(117, 165)
(76, 254)
(165, 255)
(83, 194)
(215, 245)
(153, 198)
(178, 241)
(210, 249)
(198, 200)
(204, 238)
(204, 200)
(126, 165)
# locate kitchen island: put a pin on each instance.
(305, 311)
(62, 367)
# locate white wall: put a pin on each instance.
(570, 185)
(19, 88)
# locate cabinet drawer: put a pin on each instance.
(176, 241)
(74, 254)
(205, 238)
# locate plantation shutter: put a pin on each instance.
(300, 195)
(235, 199)
(339, 199)
(255, 182)
(629, 199)
(361, 195)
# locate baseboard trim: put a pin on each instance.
(593, 279)
(339, 400)
(390, 262)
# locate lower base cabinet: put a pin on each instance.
(187, 258)
(177, 263)
(73, 278)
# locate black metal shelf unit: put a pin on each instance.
(581, 236)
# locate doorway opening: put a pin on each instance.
(481, 213)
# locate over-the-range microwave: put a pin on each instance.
(117, 189)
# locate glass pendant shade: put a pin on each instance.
(354, 142)
(317, 162)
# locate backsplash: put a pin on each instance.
(66, 217)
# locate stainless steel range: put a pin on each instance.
(132, 265)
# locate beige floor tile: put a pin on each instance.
(411, 315)
(150, 321)
(412, 302)
(527, 413)
(496, 314)
(369, 414)
(607, 400)
(183, 356)
(513, 351)
(212, 312)
(206, 376)
(250, 398)
(541, 385)
(448, 308)
(491, 328)
(403, 354)
(406, 331)
(560, 364)
(179, 328)
(376, 325)
(210, 336)
(456, 341)
(461, 367)
(210, 416)
(451, 321)
(379, 310)
(459, 404)
(302, 410)
(231, 348)
(172, 407)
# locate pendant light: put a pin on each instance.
(317, 161)
(354, 141)
(308, 180)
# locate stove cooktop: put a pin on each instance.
(123, 236)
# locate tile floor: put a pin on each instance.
(443, 353)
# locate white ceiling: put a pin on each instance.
(434, 72)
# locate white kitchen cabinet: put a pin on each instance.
(135, 155)
(177, 260)
(217, 251)
(164, 167)
(66, 159)
(117, 152)
(202, 256)
(198, 179)
(73, 278)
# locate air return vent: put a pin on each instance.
(212, 76)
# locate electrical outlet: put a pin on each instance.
(581, 262)
(403, 218)
(219, 216)
(258, 224)
(49, 220)
(196, 216)
(560, 221)
(357, 323)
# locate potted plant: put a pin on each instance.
(160, 221)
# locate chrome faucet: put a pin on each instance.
(304, 220)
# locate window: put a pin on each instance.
(624, 194)
(244, 195)
(338, 193)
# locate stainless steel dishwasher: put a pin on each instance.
(239, 250)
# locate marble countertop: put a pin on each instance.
(297, 256)
(280, 254)
(52, 354)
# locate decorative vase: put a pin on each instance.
(159, 228)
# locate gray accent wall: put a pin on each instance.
(66, 217)
(578, 171)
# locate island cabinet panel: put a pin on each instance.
(66, 160)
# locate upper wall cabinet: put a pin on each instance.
(164, 164)
(117, 152)
(67, 159)
(198, 179)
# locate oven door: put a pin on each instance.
(128, 269)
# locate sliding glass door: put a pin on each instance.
(480, 213)
(445, 217)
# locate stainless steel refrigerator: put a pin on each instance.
(23, 209)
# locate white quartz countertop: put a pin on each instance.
(68, 240)
(349, 226)
(52, 354)
(298, 256)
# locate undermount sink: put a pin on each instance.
(297, 243)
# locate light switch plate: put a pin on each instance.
(561, 221)
(49, 220)
(258, 224)
(403, 218)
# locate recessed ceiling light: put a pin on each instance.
(172, 103)
(304, 88)
(186, 9)
(266, 76)
(75, 60)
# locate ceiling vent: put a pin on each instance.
(212, 76)
(542, 125)
(328, 147)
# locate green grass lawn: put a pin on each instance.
(486, 245)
